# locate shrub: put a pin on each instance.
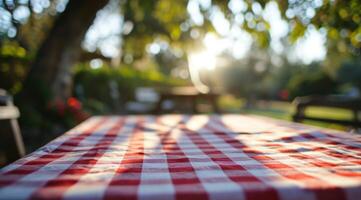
(95, 86)
(312, 83)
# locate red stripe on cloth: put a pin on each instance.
(322, 189)
(313, 160)
(21, 171)
(278, 163)
(338, 144)
(60, 186)
(266, 192)
(120, 187)
(185, 188)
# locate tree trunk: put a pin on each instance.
(50, 77)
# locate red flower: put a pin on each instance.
(70, 109)
(74, 104)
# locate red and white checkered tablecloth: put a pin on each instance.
(189, 157)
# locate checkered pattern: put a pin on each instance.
(190, 157)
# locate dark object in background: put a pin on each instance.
(11, 140)
(184, 95)
(349, 103)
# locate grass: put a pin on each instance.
(284, 111)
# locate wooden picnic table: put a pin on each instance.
(186, 95)
(189, 157)
(342, 102)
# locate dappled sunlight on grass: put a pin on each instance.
(333, 113)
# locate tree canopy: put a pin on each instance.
(48, 30)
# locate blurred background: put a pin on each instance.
(66, 60)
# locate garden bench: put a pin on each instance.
(343, 102)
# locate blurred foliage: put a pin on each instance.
(23, 26)
(168, 22)
(350, 73)
(94, 85)
(256, 77)
(237, 76)
(312, 82)
(13, 65)
(28, 22)
(149, 20)
(341, 20)
(161, 19)
(286, 83)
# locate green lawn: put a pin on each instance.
(284, 110)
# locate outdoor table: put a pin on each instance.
(184, 95)
(189, 157)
